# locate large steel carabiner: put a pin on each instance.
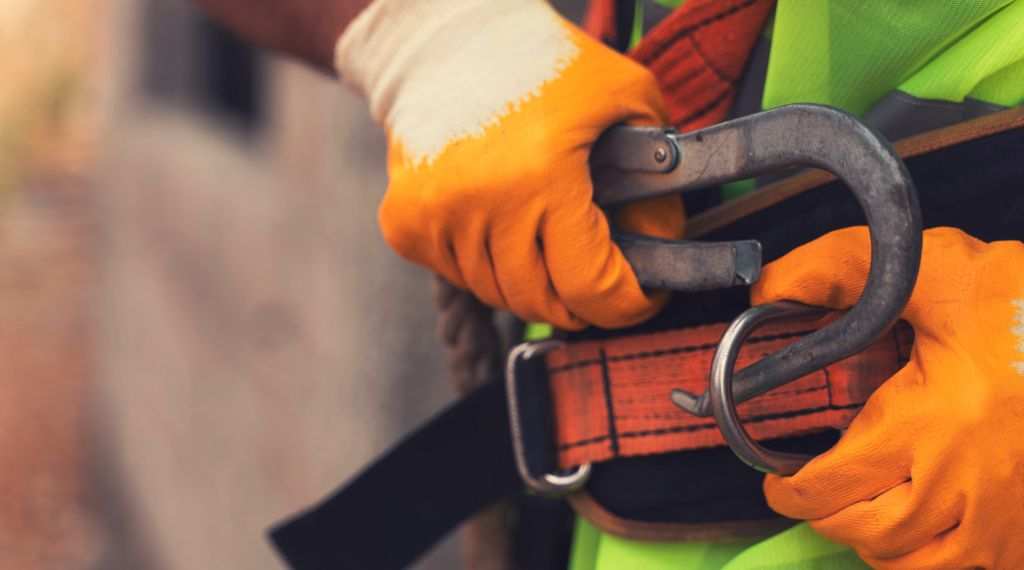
(633, 163)
(630, 163)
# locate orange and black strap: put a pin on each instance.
(697, 53)
(610, 398)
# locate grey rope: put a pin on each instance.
(474, 347)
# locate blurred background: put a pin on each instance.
(201, 330)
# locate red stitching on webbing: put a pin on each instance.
(683, 122)
(701, 24)
(555, 370)
(700, 427)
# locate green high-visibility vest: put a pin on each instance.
(851, 53)
(798, 548)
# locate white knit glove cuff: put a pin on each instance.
(437, 71)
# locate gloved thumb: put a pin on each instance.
(828, 272)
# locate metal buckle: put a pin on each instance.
(550, 484)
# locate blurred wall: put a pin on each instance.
(258, 342)
(48, 54)
(48, 128)
(201, 328)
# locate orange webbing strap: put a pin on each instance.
(697, 53)
(611, 397)
(600, 20)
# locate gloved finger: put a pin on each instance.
(893, 524)
(473, 257)
(663, 217)
(431, 248)
(444, 263)
(947, 270)
(829, 272)
(951, 549)
(588, 270)
(872, 457)
(525, 282)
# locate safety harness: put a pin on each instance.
(463, 459)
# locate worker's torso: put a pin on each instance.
(904, 68)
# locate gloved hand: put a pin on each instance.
(931, 472)
(491, 108)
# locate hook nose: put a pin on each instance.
(738, 331)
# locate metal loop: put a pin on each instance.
(720, 391)
(549, 484)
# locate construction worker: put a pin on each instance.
(491, 107)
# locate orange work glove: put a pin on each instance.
(930, 474)
(491, 108)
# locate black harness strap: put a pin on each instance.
(458, 463)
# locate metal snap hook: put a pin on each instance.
(830, 139)
(823, 137)
(626, 167)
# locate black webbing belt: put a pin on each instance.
(458, 463)
(461, 461)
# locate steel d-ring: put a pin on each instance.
(720, 391)
(549, 484)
